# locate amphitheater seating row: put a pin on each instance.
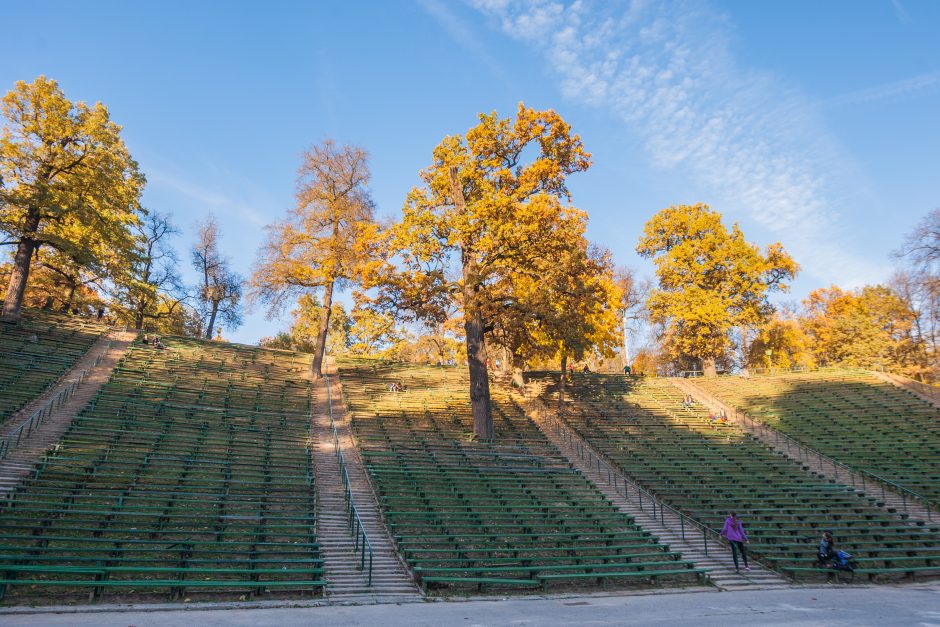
(508, 514)
(37, 351)
(849, 415)
(189, 472)
(707, 469)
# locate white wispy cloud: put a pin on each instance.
(896, 89)
(205, 197)
(900, 12)
(458, 30)
(668, 71)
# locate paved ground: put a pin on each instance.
(882, 605)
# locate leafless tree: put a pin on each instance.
(220, 291)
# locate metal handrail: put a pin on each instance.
(804, 452)
(930, 390)
(35, 419)
(356, 528)
(618, 479)
(762, 370)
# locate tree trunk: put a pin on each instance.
(139, 316)
(505, 365)
(215, 311)
(626, 341)
(320, 347)
(68, 299)
(561, 384)
(16, 288)
(479, 378)
(474, 328)
(708, 367)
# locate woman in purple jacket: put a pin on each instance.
(734, 532)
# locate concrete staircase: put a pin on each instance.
(664, 524)
(895, 502)
(347, 580)
(88, 374)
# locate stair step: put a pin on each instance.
(341, 562)
(721, 571)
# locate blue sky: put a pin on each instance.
(810, 123)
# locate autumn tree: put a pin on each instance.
(492, 203)
(55, 283)
(327, 241)
(711, 280)
(444, 340)
(572, 308)
(631, 305)
(780, 343)
(373, 332)
(303, 332)
(219, 291)
(67, 182)
(869, 327)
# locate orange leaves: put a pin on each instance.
(329, 236)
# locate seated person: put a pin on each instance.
(827, 549)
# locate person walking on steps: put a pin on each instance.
(735, 534)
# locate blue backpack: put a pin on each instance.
(842, 561)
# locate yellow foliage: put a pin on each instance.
(330, 239)
(67, 183)
(711, 280)
(781, 343)
(495, 208)
(870, 327)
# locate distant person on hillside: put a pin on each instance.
(627, 370)
(145, 339)
(827, 549)
(735, 534)
(687, 401)
(585, 368)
